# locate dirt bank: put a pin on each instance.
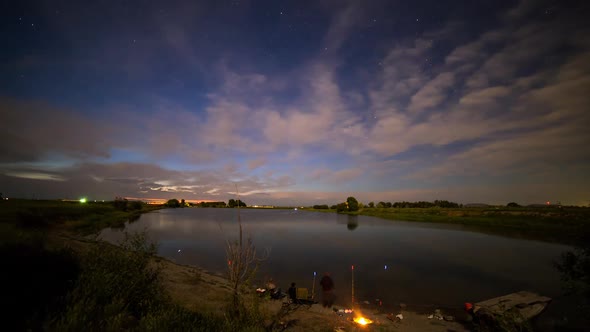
(199, 290)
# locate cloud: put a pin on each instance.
(551, 137)
(35, 130)
(434, 106)
(35, 176)
(256, 163)
(433, 93)
(340, 26)
(484, 96)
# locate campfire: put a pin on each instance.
(362, 321)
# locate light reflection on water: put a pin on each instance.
(426, 263)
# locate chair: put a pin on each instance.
(302, 294)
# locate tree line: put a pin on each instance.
(352, 205)
(232, 203)
(419, 204)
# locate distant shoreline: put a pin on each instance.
(565, 225)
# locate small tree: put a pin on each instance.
(242, 262)
(371, 204)
(341, 207)
(353, 204)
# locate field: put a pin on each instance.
(82, 218)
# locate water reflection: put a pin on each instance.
(351, 221)
(425, 263)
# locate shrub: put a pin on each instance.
(115, 289)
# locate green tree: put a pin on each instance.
(174, 203)
(235, 203)
(182, 203)
(341, 207)
(371, 204)
(353, 204)
(512, 204)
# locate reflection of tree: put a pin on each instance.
(352, 223)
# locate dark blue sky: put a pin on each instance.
(296, 102)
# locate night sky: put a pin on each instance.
(296, 102)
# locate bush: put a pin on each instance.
(115, 289)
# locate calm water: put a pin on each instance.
(413, 263)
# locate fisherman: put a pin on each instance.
(293, 293)
(275, 293)
(327, 290)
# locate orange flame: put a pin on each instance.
(363, 321)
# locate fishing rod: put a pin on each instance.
(352, 273)
(313, 286)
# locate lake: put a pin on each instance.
(420, 264)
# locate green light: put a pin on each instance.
(83, 200)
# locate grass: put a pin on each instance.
(564, 225)
(101, 287)
(76, 217)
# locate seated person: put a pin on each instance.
(275, 293)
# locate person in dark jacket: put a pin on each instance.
(293, 293)
(327, 290)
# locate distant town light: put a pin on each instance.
(83, 200)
